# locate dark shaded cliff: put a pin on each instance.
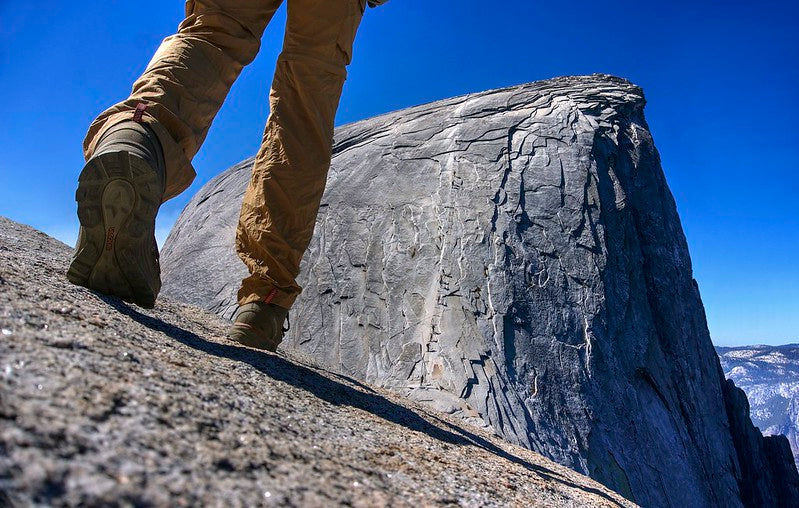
(513, 257)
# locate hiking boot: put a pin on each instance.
(119, 193)
(259, 325)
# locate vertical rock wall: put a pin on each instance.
(514, 257)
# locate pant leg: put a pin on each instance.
(189, 77)
(280, 204)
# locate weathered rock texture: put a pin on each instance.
(513, 256)
(102, 404)
(763, 460)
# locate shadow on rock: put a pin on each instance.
(334, 392)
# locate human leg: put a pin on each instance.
(138, 151)
(282, 200)
(188, 78)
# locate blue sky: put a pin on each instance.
(720, 79)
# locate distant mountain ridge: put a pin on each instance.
(770, 377)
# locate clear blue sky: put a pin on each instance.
(721, 78)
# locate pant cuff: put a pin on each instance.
(179, 171)
(267, 293)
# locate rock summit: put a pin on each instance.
(514, 257)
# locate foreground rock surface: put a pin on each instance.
(103, 404)
(513, 257)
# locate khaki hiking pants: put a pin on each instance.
(186, 82)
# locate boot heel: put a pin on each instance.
(118, 198)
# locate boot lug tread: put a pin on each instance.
(114, 253)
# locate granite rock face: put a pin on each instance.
(763, 460)
(513, 257)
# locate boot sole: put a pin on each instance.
(118, 198)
